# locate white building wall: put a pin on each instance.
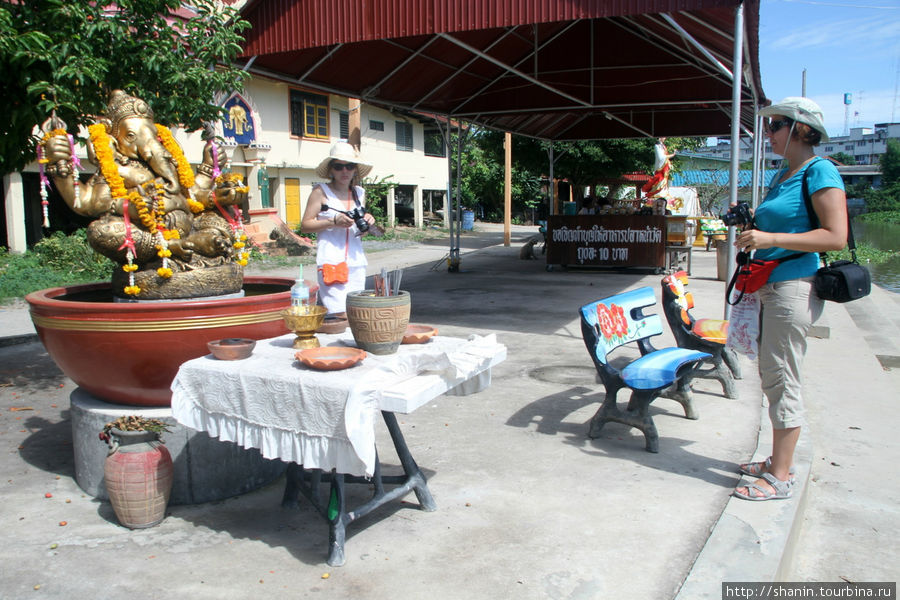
(294, 157)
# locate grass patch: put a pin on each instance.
(888, 216)
(865, 254)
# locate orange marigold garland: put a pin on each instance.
(185, 173)
(102, 149)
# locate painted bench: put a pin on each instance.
(705, 335)
(617, 321)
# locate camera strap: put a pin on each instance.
(355, 197)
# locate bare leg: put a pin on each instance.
(784, 441)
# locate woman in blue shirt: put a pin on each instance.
(789, 303)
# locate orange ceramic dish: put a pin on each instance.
(418, 334)
(330, 358)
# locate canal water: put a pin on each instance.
(885, 237)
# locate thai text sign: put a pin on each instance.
(607, 240)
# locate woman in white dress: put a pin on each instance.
(338, 237)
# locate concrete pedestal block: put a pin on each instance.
(206, 469)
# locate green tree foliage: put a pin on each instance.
(844, 158)
(67, 55)
(890, 163)
(377, 191)
(887, 198)
(583, 163)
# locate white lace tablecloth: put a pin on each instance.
(323, 419)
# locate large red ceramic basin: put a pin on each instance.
(129, 353)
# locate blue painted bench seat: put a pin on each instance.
(658, 369)
(619, 320)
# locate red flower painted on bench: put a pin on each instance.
(612, 321)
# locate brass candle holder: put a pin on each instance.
(303, 321)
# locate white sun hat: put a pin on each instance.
(344, 152)
(801, 110)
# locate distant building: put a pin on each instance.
(864, 144)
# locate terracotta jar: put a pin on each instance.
(378, 322)
(138, 473)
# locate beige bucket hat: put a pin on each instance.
(344, 152)
(801, 110)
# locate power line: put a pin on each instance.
(839, 4)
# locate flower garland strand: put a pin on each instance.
(45, 181)
(236, 222)
(45, 185)
(76, 165)
(215, 156)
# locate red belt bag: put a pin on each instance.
(753, 273)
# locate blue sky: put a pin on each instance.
(845, 46)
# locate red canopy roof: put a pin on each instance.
(553, 69)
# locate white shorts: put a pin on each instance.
(334, 297)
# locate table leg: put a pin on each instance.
(337, 521)
(413, 473)
(335, 512)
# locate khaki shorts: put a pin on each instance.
(789, 308)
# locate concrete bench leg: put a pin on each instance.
(636, 415)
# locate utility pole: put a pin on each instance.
(803, 84)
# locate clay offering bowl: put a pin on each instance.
(304, 321)
(231, 348)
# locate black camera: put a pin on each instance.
(739, 214)
(357, 214)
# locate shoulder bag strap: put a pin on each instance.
(814, 219)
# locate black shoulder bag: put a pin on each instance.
(842, 280)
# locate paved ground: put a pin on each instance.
(528, 506)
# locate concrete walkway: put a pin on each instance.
(528, 506)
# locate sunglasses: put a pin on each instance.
(343, 166)
(774, 126)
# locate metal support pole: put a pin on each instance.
(551, 201)
(737, 70)
(453, 258)
(758, 150)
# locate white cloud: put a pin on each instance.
(876, 32)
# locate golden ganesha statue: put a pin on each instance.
(174, 233)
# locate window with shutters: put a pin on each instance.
(309, 115)
(404, 136)
(376, 125)
(344, 118)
